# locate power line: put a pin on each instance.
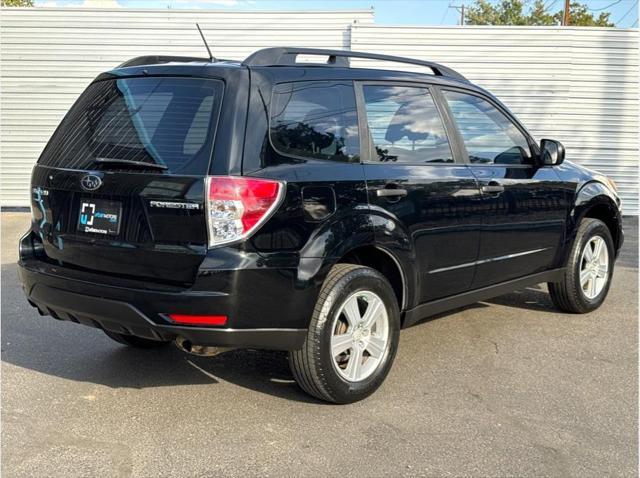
(604, 8)
(628, 12)
(549, 4)
(634, 23)
(446, 10)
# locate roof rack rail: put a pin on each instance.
(286, 56)
(156, 59)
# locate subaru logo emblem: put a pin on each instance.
(90, 182)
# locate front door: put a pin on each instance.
(428, 205)
(524, 204)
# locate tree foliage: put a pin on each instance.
(530, 12)
(16, 3)
(582, 17)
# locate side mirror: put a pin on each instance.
(551, 152)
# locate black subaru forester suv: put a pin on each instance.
(308, 207)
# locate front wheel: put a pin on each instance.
(352, 338)
(589, 269)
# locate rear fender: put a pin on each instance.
(336, 239)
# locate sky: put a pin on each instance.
(406, 12)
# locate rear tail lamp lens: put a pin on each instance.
(237, 206)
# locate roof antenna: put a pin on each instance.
(211, 57)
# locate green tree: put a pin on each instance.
(582, 17)
(539, 16)
(16, 3)
(530, 12)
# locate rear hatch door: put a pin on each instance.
(119, 189)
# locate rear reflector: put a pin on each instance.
(198, 319)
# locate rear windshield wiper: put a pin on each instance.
(124, 162)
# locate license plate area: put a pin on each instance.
(99, 216)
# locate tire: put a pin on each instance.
(137, 342)
(372, 346)
(569, 294)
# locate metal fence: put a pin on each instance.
(578, 85)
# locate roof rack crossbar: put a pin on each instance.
(157, 59)
(286, 56)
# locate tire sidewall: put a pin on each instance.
(595, 228)
(355, 281)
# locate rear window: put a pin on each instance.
(161, 120)
(315, 119)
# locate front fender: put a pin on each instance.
(592, 194)
(595, 191)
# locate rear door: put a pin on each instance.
(413, 177)
(524, 209)
(119, 188)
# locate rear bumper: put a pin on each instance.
(142, 312)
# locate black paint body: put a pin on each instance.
(446, 236)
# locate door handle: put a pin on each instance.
(391, 192)
(493, 187)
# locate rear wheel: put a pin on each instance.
(133, 341)
(352, 338)
(588, 272)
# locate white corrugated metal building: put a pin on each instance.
(578, 85)
(49, 55)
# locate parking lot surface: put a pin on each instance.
(507, 387)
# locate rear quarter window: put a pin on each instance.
(167, 121)
(315, 119)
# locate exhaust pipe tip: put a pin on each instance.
(201, 350)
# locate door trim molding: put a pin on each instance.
(491, 259)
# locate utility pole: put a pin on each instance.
(566, 17)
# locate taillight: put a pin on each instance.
(237, 206)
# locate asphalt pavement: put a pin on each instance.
(507, 387)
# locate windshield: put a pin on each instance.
(166, 121)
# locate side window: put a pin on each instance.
(489, 136)
(405, 126)
(315, 119)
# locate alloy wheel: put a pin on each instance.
(360, 336)
(594, 267)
